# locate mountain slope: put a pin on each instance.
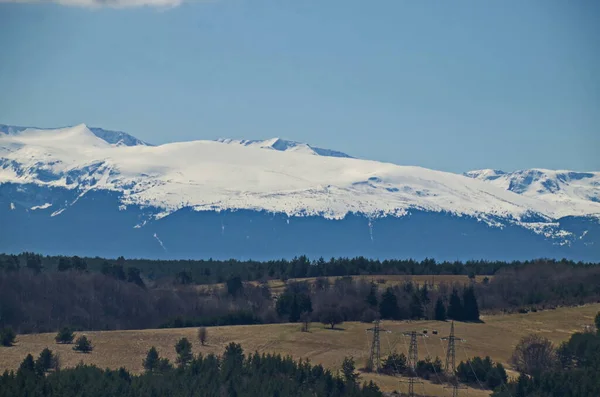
(112, 137)
(570, 190)
(283, 145)
(237, 194)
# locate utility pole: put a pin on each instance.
(451, 360)
(413, 357)
(375, 355)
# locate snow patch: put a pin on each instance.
(41, 207)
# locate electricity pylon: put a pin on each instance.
(375, 356)
(413, 357)
(451, 360)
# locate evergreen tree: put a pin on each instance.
(184, 352)
(28, 365)
(79, 264)
(7, 336)
(64, 264)
(440, 310)
(152, 360)
(45, 361)
(133, 276)
(234, 286)
(83, 345)
(455, 307)
(416, 308)
(34, 262)
(388, 307)
(64, 336)
(470, 308)
(349, 371)
(371, 299)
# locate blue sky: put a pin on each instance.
(449, 85)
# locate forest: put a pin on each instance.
(36, 296)
(232, 374)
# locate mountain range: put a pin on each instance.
(89, 191)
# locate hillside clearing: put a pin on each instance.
(495, 337)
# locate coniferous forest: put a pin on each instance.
(232, 374)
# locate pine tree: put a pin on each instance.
(64, 336)
(83, 345)
(371, 299)
(64, 264)
(34, 262)
(7, 336)
(184, 352)
(28, 365)
(388, 307)
(45, 361)
(416, 308)
(440, 310)
(455, 307)
(152, 360)
(348, 370)
(470, 309)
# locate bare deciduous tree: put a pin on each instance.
(533, 355)
(202, 335)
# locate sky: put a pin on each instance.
(448, 85)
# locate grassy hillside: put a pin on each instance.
(383, 281)
(495, 337)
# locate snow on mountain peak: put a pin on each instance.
(118, 138)
(560, 187)
(226, 175)
(284, 145)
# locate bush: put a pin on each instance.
(64, 336)
(7, 337)
(395, 364)
(83, 345)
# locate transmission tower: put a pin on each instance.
(375, 356)
(413, 357)
(451, 360)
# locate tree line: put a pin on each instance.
(232, 374)
(121, 296)
(217, 271)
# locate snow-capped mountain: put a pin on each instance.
(568, 189)
(74, 190)
(112, 137)
(283, 145)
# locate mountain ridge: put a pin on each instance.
(59, 170)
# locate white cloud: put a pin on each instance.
(105, 3)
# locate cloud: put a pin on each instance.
(105, 3)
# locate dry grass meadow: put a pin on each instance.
(495, 337)
(277, 286)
